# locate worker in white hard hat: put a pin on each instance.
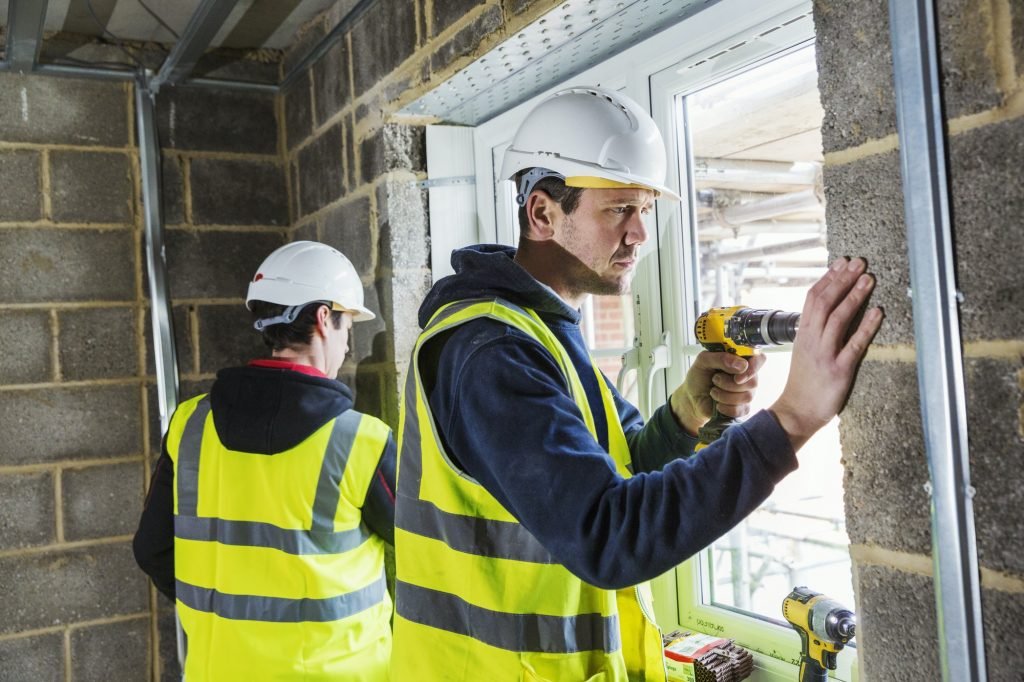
(272, 501)
(534, 503)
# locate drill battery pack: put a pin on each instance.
(695, 657)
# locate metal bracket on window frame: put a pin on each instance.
(455, 181)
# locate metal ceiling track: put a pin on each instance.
(208, 18)
(922, 147)
(165, 355)
(335, 34)
(25, 33)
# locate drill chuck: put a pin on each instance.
(831, 621)
(756, 328)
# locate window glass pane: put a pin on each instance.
(756, 147)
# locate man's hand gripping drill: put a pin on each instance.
(826, 354)
(740, 331)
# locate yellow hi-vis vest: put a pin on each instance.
(277, 578)
(477, 597)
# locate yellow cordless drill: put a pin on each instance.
(825, 626)
(740, 330)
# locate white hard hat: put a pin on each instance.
(593, 138)
(303, 272)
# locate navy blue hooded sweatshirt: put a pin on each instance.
(508, 420)
(261, 410)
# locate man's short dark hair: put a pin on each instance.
(296, 335)
(568, 198)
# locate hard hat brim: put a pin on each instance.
(516, 160)
(361, 315)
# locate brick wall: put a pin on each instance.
(612, 328)
(888, 516)
(72, 388)
(78, 409)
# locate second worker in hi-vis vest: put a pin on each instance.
(533, 502)
(272, 501)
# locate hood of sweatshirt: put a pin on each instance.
(489, 271)
(268, 410)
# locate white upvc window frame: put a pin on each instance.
(682, 59)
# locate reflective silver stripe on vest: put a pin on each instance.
(328, 487)
(411, 467)
(279, 609)
(510, 631)
(187, 469)
(320, 539)
(471, 534)
(258, 534)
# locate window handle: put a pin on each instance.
(660, 358)
(630, 361)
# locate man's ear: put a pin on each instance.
(543, 213)
(323, 317)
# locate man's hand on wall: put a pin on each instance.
(828, 349)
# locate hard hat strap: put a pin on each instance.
(286, 317)
(530, 179)
(289, 314)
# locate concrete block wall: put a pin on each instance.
(353, 164)
(78, 404)
(72, 383)
(888, 516)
